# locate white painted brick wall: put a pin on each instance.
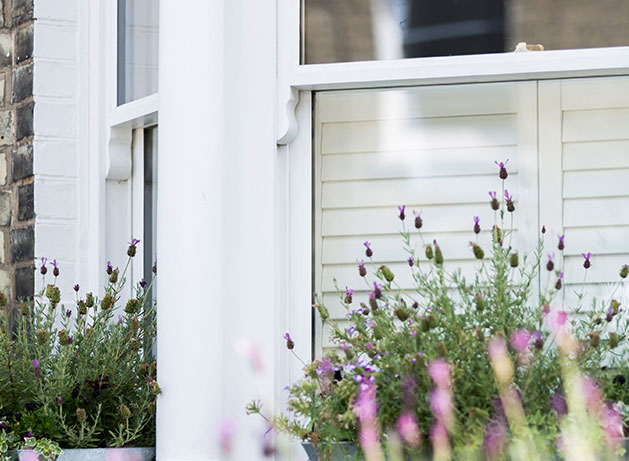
(55, 153)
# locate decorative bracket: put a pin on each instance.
(119, 155)
(288, 32)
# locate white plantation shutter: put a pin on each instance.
(584, 178)
(431, 149)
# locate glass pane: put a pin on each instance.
(150, 202)
(138, 29)
(364, 30)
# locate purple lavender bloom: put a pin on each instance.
(43, 269)
(402, 214)
(476, 225)
(377, 292)
(29, 435)
(558, 404)
(539, 342)
(349, 293)
(610, 314)
(368, 250)
(120, 320)
(495, 205)
(76, 288)
(543, 229)
(134, 242)
(70, 339)
(142, 282)
(54, 263)
(290, 344)
(110, 268)
(35, 364)
(561, 245)
(418, 220)
(361, 268)
(559, 279)
(503, 170)
(520, 340)
(509, 202)
(411, 261)
(587, 262)
(68, 313)
(59, 401)
(550, 265)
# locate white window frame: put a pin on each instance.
(296, 83)
(114, 134)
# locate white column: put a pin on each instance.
(189, 229)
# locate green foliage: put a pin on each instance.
(65, 375)
(448, 316)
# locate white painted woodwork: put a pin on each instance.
(585, 171)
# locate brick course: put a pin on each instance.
(17, 217)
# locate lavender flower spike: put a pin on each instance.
(368, 250)
(587, 262)
(402, 214)
(503, 170)
(494, 201)
(561, 245)
(43, 269)
(289, 342)
(476, 225)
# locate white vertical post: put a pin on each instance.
(189, 229)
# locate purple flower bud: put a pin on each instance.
(495, 205)
(587, 262)
(610, 315)
(55, 270)
(29, 435)
(361, 269)
(503, 170)
(418, 220)
(561, 243)
(509, 202)
(43, 269)
(543, 229)
(377, 292)
(538, 341)
(59, 401)
(132, 247)
(68, 313)
(550, 265)
(348, 295)
(35, 364)
(476, 225)
(289, 342)
(402, 214)
(110, 268)
(559, 405)
(142, 282)
(76, 288)
(411, 261)
(368, 251)
(558, 283)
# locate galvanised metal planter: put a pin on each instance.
(91, 454)
(342, 451)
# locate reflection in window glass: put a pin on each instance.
(138, 27)
(363, 30)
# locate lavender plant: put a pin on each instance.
(82, 376)
(423, 360)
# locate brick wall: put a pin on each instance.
(17, 214)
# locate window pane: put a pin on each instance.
(363, 30)
(150, 202)
(138, 27)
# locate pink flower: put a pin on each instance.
(520, 340)
(439, 371)
(592, 394)
(613, 425)
(441, 404)
(226, 435)
(408, 429)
